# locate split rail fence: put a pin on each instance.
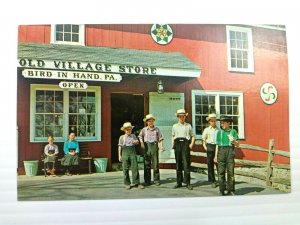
(269, 164)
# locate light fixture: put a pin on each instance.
(160, 87)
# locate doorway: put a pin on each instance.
(125, 108)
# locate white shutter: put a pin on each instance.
(164, 107)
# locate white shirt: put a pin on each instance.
(182, 131)
(210, 134)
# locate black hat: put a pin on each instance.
(225, 119)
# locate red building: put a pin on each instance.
(93, 78)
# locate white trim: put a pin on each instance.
(250, 68)
(34, 87)
(238, 94)
(81, 36)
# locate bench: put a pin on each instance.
(84, 156)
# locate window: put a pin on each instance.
(221, 103)
(57, 112)
(239, 49)
(67, 34)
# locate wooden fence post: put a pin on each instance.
(269, 165)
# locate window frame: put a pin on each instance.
(217, 94)
(81, 38)
(50, 87)
(247, 30)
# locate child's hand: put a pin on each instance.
(162, 148)
(120, 158)
(135, 142)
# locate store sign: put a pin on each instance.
(71, 75)
(101, 68)
(268, 93)
(73, 85)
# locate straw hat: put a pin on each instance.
(181, 112)
(210, 116)
(127, 125)
(148, 117)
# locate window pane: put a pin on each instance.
(49, 130)
(198, 99)
(204, 100)
(39, 96)
(59, 119)
(222, 110)
(205, 109)
(239, 44)
(39, 131)
(75, 28)
(232, 34)
(199, 109)
(245, 63)
(229, 110)
(39, 107)
(82, 131)
(228, 100)
(222, 100)
(59, 36)
(72, 96)
(238, 35)
(58, 107)
(91, 131)
(91, 97)
(67, 37)
(233, 53)
(73, 119)
(239, 54)
(232, 43)
(245, 44)
(239, 63)
(49, 120)
(245, 55)
(244, 36)
(59, 27)
(235, 110)
(75, 38)
(39, 120)
(49, 107)
(49, 96)
(67, 28)
(73, 108)
(81, 96)
(91, 108)
(59, 96)
(233, 63)
(58, 131)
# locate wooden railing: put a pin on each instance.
(269, 164)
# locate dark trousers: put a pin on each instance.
(226, 164)
(183, 160)
(151, 156)
(211, 151)
(129, 159)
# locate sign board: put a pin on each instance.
(268, 93)
(73, 85)
(71, 75)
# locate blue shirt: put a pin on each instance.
(71, 145)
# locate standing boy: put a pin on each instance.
(150, 136)
(183, 141)
(127, 155)
(227, 139)
(209, 144)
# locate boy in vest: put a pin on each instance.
(127, 155)
(150, 137)
(227, 139)
(209, 144)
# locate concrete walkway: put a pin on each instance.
(110, 186)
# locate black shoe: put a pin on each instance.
(147, 183)
(178, 186)
(189, 187)
(230, 193)
(221, 193)
(157, 183)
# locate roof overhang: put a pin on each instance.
(55, 61)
